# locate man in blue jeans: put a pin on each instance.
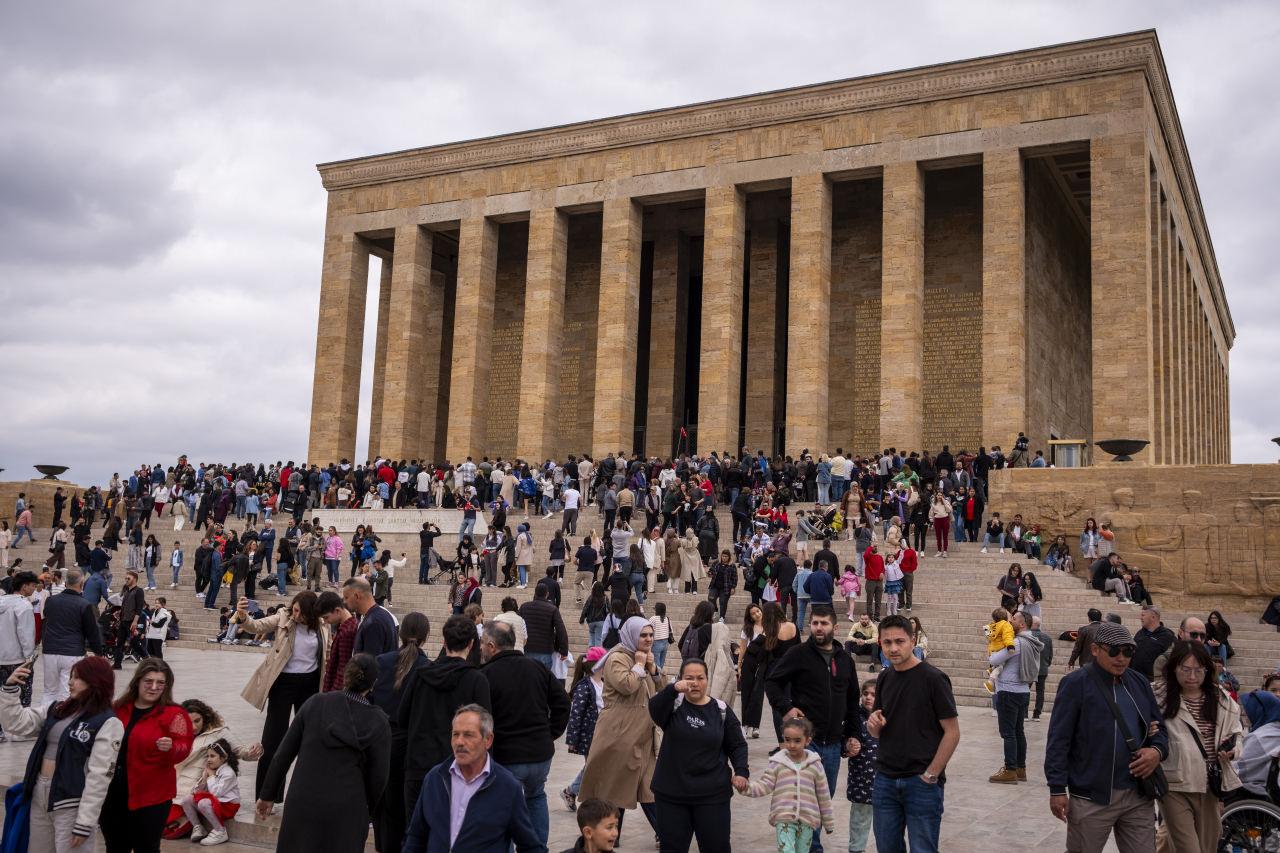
(1019, 667)
(916, 721)
(817, 680)
(530, 711)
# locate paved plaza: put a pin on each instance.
(976, 810)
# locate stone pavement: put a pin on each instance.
(975, 809)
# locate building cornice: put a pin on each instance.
(1138, 51)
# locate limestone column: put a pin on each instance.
(1004, 298)
(762, 319)
(666, 335)
(406, 381)
(615, 388)
(335, 394)
(720, 363)
(380, 361)
(543, 334)
(808, 322)
(472, 333)
(902, 311)
(1120, 261)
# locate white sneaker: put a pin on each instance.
(1001, 550)
(218, 836)
(984, 549)
(173, 586)
(198, 832)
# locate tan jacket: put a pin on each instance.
(624, 749)
(722, 675)
(255, 692)
(1184, 767)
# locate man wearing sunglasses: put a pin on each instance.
(1190, 629)
(1092, 773)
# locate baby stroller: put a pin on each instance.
(830, 522)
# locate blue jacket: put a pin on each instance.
(1086, 755)
(821, 587)
(496, 817)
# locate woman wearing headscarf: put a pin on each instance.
(691, 560)
(1262, 744)
(624, 747)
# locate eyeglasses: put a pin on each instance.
(1191, 671)
(1196, 635)
(1116, 651)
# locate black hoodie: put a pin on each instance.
(432, 696)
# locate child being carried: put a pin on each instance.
(999, 635)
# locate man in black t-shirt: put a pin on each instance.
(916, 720)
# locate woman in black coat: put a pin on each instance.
(342, 744)
(395, 669)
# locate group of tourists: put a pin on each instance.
(376, 731)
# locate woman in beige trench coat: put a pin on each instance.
(284, 680)
(624, 749)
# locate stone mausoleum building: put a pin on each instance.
(940, 255)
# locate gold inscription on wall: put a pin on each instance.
(504, 381)
(953, 369)
(866, 377)
(570, 411)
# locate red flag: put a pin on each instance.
(683, 434)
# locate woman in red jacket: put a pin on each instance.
(157, 737)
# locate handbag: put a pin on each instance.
(1214, 770)
(1154, 786)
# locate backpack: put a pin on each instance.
(689, 643)
(611, 636)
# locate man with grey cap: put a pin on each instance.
(1094, 789)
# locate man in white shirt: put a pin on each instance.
(572, 498)
(423, 488)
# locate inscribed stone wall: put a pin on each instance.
(502, 411)
(855, 316)
(578, 361)
(953, 309)
(1059, 356)
(1210, 530)
(450, 272)
(762, 328)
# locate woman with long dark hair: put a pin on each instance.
(290, 673)
(157, 737)
(1204, 729)
(207, 727)
(394, 671)
(84, 727)
(1218, 636)
(1009, 587)
(342, 744)
(768, 647)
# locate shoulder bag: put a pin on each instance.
(1154, 786)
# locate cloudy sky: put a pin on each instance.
(161, 217)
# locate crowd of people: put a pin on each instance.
(377, 732)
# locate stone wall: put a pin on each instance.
(1210, 530)
(854, 419)
(953, 308)
(503, 411)
(1059, 356)
(40, 499)
(578, 360)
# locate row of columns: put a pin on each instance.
(404, 417)
(1189, 371)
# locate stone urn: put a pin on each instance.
(1122, 448)
(51, 472)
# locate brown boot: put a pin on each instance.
(1022, 774)
(1005, 776)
